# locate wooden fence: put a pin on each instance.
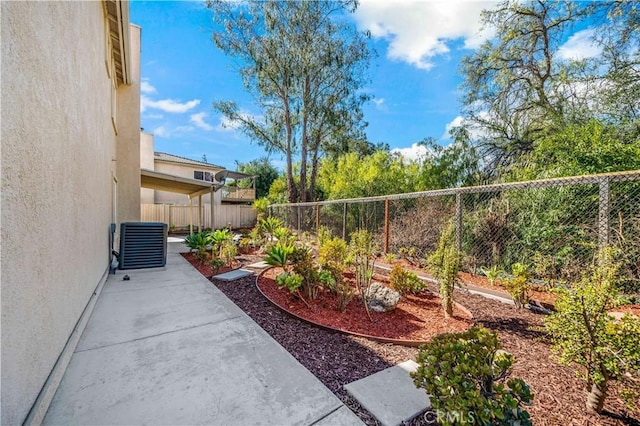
(177, 217)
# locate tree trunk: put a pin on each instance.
(595, 399)
(304, 141)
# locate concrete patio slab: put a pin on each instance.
(233, 275)
(390, 395)
(167, 347)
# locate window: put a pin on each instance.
(206, 176)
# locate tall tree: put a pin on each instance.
(264, 173)
(303, 63)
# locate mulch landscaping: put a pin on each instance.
(415, 319)
(337, 359)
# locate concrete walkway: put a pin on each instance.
(167, 347)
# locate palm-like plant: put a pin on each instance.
(278, 256)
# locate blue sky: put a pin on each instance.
(414, 78)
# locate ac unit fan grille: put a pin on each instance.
(143, 245)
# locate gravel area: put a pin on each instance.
(337, 359)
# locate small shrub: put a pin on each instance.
(493, 274)
(465, 374)
(228, 252)
(390, 257)
(361, 249)
(268, 226)
(293, 283)
(301, 261)
(584, 333)
(445, 265)
(324, 235)
(405, 282)
(343, 291)
(518, 286)
(284, 235)
(196, 241)
(278, 256)
(333, 257)
(216, 263)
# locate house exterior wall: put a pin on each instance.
(146, 162)
(59, 158)
(183, 170)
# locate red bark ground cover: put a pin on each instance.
(415, 318)
(206, 269)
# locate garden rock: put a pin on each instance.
(381, 298)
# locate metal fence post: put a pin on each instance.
(386, 226)
(458, 221)
(299, 219)
(317, 218)
(344, 221)
(603, 213)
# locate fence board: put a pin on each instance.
(239, 216)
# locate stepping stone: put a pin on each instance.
(259, 265)
(233, 275)
(390, 395)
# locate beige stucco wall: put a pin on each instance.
(146, 162)
(164, 197)
(128, 139)
(58, 152)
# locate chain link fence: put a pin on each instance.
(555, 225)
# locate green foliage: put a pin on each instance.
(278, 255)
(518, 285)
(404, 281)
(291, 282)
(362, 254)
(493, 274)
(584, 333)
(197, 241)
(284, 235)
(269, 226)
(466, 374)
(344, 292)
(261, 205)
(301, 260)
(216, 263)
(265, 175)
(445, 265)
(333, 258)
(324, 234)
(228, 252)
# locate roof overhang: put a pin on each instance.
(166, 182)
(224, 174)
(118, 19)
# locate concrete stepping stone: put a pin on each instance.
(236, 274)
(390, 395)
(258, 265)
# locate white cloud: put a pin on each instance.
(228, 125)
(184, 129)
(198, 121)
(161, 131)
(419, 30)
(379, 104)
(146, 87)
(474, 132)
(154, 116)
(580, 46)
(414, 152)
(167, 105)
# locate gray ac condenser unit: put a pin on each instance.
(143, 245)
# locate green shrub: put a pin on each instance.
(445, 265)
(333, 257)
(518, 286)
(301, 260)
(197, 242)
(493, 274)
(362, 254)
(584, 333)
(216, 263)
(405, 282)
(324, 235)
(464, 375)
(278, 256)
(342, 289)
(267, 227)
(228, 252)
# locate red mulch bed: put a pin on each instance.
(206, 269)
(337, 359)
(415, 318)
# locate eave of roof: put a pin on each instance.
(118, 19)
(167, 182)
(171, 158)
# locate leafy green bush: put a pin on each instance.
(404, 281)
(293, 283)
(333, 257)
(362, 251)
(445, 265)
(268, 227)
(464, 375)
(493, 274)
(278, 256)
(216, 263)
(324, 235)
(518, 286)
(584, 333)
(197, 242)
(343, 290)
(301, 260)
